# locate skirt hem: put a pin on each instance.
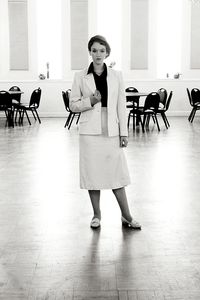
(104, 188)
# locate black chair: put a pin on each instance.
(6, 106)
(150, 110)
(133, 104)
(162, 110)
(194, 99)
(71, 115)
(163, 97)
(33, 106)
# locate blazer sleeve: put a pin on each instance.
(121, 108)
(77, 103)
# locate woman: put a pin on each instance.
(98, 93)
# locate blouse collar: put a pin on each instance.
(91, 69)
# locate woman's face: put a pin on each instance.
(98, 53)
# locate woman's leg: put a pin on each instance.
(120, 195)
(95, 200)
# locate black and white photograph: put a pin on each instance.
(99, 149)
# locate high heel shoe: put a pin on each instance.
(133, 224)
(95, 223)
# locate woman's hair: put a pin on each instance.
(101, 40)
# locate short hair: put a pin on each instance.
(101, 40)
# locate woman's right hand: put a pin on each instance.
(95, 98)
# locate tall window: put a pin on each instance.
(49, 38)
(109, 24)
(169, 32)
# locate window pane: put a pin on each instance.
(49, 37)
(169, 34)
(109, 24)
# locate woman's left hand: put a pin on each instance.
(123, 141)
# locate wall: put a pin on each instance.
(144, 80)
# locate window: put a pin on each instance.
(49, 38)
(169, 32)
(109, 24)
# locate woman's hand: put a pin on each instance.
(95, 98)
(123, 141)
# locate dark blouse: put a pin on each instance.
(101, 83)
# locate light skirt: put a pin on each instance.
(102, 161)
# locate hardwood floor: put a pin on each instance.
(47, 249)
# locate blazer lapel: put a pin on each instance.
(89, 82)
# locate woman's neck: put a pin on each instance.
(98, 69)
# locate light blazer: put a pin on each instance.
(90, 121)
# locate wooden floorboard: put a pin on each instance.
(47, 249)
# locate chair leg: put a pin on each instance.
(148, 120)
(78, 118)
(153, 118)
(21, 116)
(71, 121)
(66, 123)
(32, 110)
(16, 113)
(143, 122)
(193, 115)
(27, 116)
(37, 115)
(137, 117)
(134, 121)
(156, 119)
(164, 119)
(9, 116)
(128, 120)
(68, 119)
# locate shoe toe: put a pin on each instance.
(95, 223)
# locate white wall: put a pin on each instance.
(144, 80)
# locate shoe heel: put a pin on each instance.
(125, 223)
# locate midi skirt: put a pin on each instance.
(102, 161)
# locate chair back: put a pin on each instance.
(189, 96)
(195, 96)
(163, 96)
(168, 101)
(16, 97)
(133, 99)
(35, 98)
(65, 96)
(5, 100)
(152, 101)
